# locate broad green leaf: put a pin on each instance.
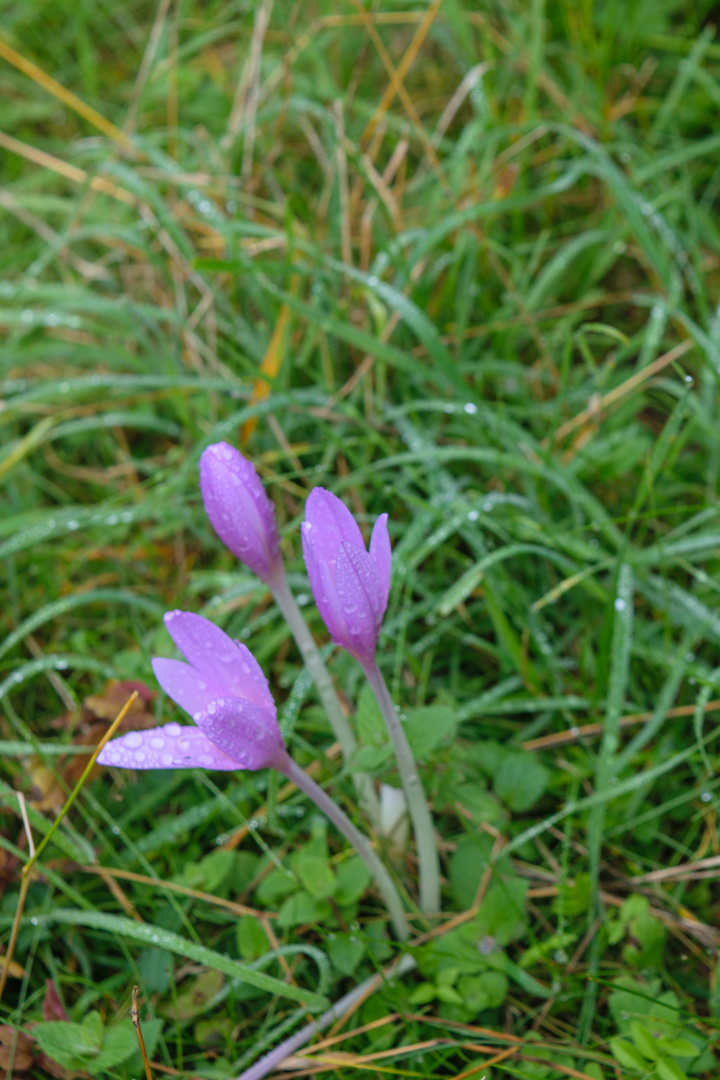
(667, 1069)
(316, 875)
(428, 728)
(301, 908)
(345, 952)
(252, 939)
(644, 1041)
(626, 1054)
(353, 879)
(520, 781)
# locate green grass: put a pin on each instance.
(539, 240)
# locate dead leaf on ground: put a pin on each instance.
(24, 1053)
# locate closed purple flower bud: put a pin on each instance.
(349, 583)
(239, 510)
(224, 690)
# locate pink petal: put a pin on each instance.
(329, 606)
(360, 594)
(167, 747)
(247, 732)
(239, 509)
(328, 522)
(382, 554)
(218, 659)
(323, 587)
(184, 685)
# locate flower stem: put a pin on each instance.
(417, 803)
(326, 691)
(342, 822)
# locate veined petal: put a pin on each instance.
(184, 685)
(167, 747)
(245, 731)
(218, 659)
(329, 606)
(329, 522)
(382, 554)
(239, 509)
(359, 592)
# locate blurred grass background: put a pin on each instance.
(457, 262)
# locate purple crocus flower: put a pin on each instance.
(349, 583)
(224, 690)
(239, 510)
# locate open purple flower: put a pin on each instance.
(224, 690)
(349, 583)
(239, 510)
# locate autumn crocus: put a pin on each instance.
(240, 511)
(243, 517)
(351, 585)
(222, 687)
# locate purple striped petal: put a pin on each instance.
(239, 510)
(218, 660)
(328, 522)
(245, 731)
(184, 685)
(359, 593)
(382, 554)
(167, 747)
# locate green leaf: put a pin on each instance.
(156, 968)
(428, 728)
(520, 780)
(626, 1054)
(92, 1026)
(194, 997)
(345, 952)
(644, 1041)
(423, 994)
(316, 875)
(63, 1042)
(119, 1043)
(302, 908)
(87, 1046)
(474, 994)
(575, 895)
(275, 887)
(370, 724)
(251, 938)
(147, 934)
(216, 869)
(667, 1069)
(245, 870)
(467, 866)
(678, 1047)
(353, 879)
(479, 803)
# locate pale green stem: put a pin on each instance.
(425, 842)
(342, 822)
(326, 691)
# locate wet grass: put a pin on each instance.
(485, 303)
